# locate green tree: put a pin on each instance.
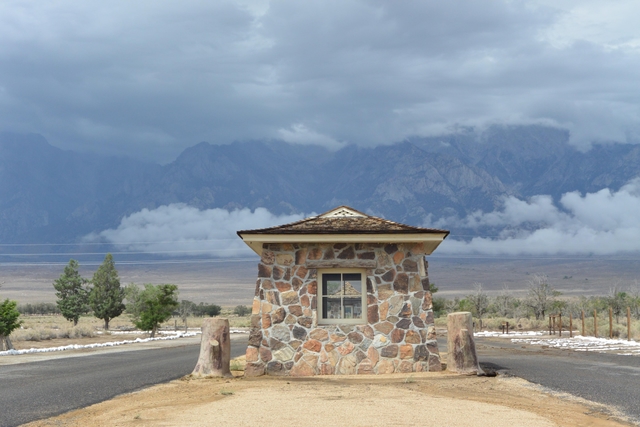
(439, 305)
(152, 306)
(618, 301)
(9, 321)
(210, 310)
(132, 295)
(107, 295)
(241, 310)
(73, 297)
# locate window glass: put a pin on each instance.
(342, 296)
(352, 301)
(332, 296)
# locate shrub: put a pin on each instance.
(242, 310)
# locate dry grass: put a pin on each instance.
(524, 324)
(54, 327)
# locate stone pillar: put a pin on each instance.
(215, 349)
(461, 354)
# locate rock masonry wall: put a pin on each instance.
(285, 337)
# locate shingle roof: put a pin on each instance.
(343, 220)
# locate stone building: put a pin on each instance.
(342, 293)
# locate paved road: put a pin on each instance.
(604, 378)
(37, 390)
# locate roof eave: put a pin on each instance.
(431, 240)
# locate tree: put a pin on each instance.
(107, 295)
(152, 306)
(479, 301)
(241, 310)
(634, 300)
(73, 297)
(439, 306)
(210, 310)
(541, 295)
(618, 301)
(9, 316)
(186, 309)
(504, 303)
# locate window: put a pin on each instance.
(341, 297)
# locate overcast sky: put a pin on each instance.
(150, 78)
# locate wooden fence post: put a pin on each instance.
(570, 325)
(595, 323)
(583, 323)
(628, 323)
(560, 325)
(610, 322)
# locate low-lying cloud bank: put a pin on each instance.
(181, 230)
(601, 223)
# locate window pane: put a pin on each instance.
(331, 284)
(352, 285)
(352, 308)
(352, 301)
(331, 308)
(331, 300)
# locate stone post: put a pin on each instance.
(215, 349)
(461, 349)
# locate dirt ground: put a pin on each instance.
(389, 400)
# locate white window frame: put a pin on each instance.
(358, 321)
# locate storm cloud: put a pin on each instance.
(149, 78)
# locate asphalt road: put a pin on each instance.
(32, 391)
(37, 390)
(604, 378)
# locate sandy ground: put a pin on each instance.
(389, 400)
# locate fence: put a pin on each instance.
(555, 323)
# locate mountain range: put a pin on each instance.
(51, 195)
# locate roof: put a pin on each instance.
(343, 220)
(347, 225)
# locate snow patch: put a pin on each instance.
(171, 336)
(580, 343)
(509, 335)
(96, 345)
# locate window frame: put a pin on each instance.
(363, 279)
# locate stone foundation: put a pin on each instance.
(399, 335)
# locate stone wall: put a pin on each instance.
(285, 337)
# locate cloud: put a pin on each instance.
(601, 223)
(300, 134)
(179, 230)
(150, 78)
